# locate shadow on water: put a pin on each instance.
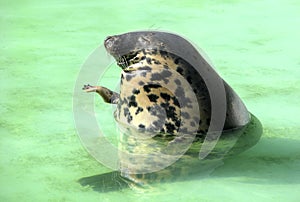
(105, 182)
(114, 182)
(272, 161)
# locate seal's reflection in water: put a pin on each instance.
(188, 167)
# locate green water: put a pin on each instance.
(253, 44)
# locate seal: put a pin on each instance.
(165, 107)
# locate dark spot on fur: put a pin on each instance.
(163, 54)
(156, 77)
(132, 101)
(141, 83)
(179, 92)
(126, 111)
(165, 96)
(166, 67)
(156, 61)
(147, 68)
(139, 109)
(153, 97)
(175, 101)
(135, 91)
(141, 126)
(170, 127)
(128, 77)
(185, 115)
(179, 70)
(119, 106)
(147, 88)
(144, 74)
(127, 114)
(177, 81)
(143, 57)
(165, 105)
(166, 73)
(157, 111)
(148, 60)
(129, 118)
(170, 111)
(122, 78)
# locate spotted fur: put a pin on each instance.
(144, 101)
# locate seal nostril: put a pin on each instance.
(109, 42)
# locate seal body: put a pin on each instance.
(164, 108)
(160, 50)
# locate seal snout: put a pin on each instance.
(109, 41)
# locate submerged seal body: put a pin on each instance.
(165, 106)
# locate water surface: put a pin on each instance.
(254, 46)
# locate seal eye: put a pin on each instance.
(144, 40)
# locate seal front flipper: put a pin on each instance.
(107, 95)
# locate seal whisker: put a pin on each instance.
(125, 61)
(120, 61)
